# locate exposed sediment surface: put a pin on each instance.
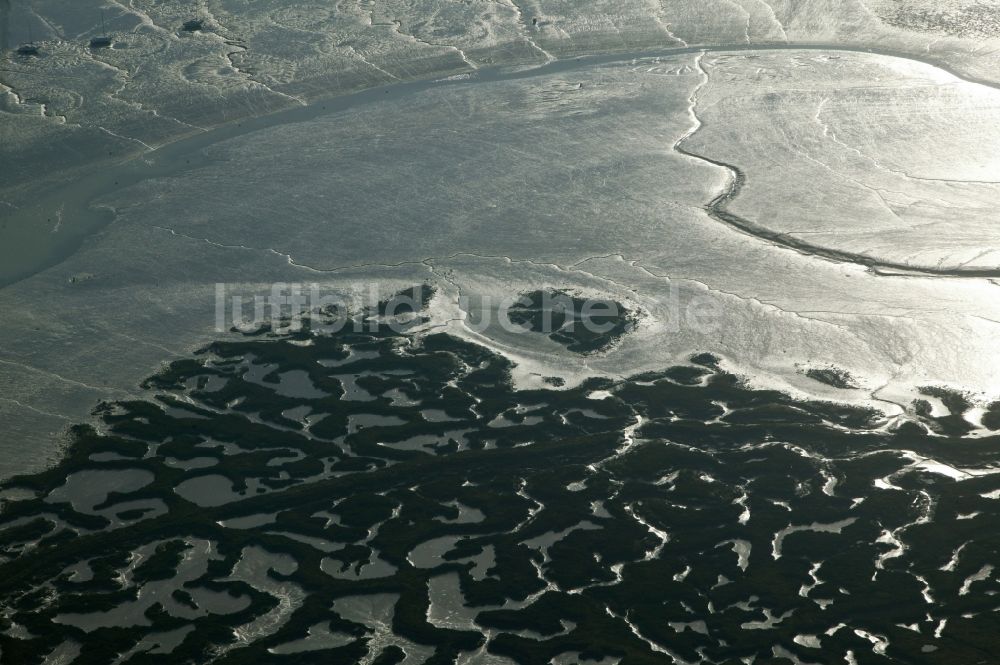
(782, 446)
(804, 202)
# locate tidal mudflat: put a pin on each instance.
(852, 233)
(782, 445)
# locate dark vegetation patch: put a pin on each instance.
(555, 506)
(833, 377)
(582, 325)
